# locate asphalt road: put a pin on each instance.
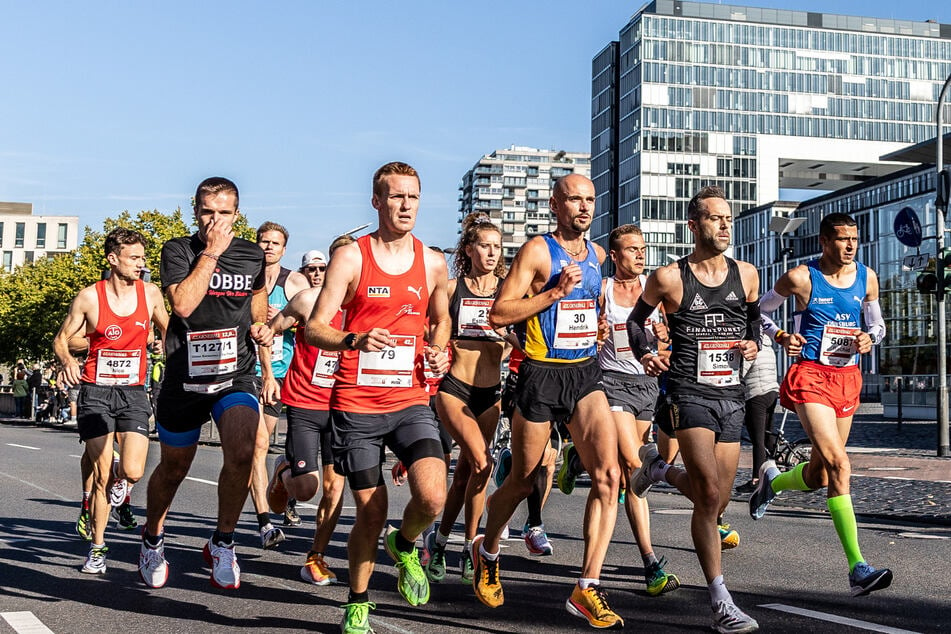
(789, 571)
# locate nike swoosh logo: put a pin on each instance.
(846, 409)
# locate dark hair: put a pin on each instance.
(472, 226)
(623, 230)
(396, 168)
(214, 185)
(273, 226)
(119, 237)
(833, 220)
(710, 191)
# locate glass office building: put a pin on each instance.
(753, 100)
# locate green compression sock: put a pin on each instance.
(843, 518)
(791, 480)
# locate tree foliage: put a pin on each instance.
(36, 296)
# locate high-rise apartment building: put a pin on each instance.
(513, 187)
(25, 237)
(754, 100)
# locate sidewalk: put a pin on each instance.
(896, 473)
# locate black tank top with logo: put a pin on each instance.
(470, 313)
(707, 322)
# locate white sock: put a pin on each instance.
(585, 582)
(441, 540)
(718, 591)
(486, 554)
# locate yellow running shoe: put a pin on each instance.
(592, 604)
(315, 570)
(729, 538)
(485, 577)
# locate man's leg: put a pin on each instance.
(371, 505)
(328, 510)
(99, 451)
(133, 452)
(238, 426)
(701, 479)
(167, 476)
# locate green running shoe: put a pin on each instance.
(566, 474)
(436, 559)
(84, 525)
(356, 618)
(465, 567)
(658, 581)
(412, 584)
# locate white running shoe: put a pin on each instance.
(118, 491)
(732, 620)
(271, 536)
(96, 561)
(152, 565)
(225, 572)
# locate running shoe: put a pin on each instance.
(658, 580)
(642, 481)
(124, 516)
(747, 487)
(271, 536)
(592, 604)
(622, 496)
(225, 572)
(435, 557)
(764, 494)
(96, 561)
(865, 579)
(536, 540)
(465, 567)
(152, 565)
(566, 473)
(485, 577)
(118, 491)
(503, 465)
(291, 518)
(315, 570)
(356, 618)
(276, 492)
(729, 538)
(84, 524)
(731, 619)
(412, 582)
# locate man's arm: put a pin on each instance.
(749, 345)
(440, 323)
(297, 310)
(159, 313)
(872, 312)
(74, 322)
(511, 306)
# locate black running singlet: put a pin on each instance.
(704, 331)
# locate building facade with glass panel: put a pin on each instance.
(25, 238)
(753, 100)
(513, 187)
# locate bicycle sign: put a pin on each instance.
(908, 227)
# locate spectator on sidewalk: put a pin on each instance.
(762, 392)
(20, 392)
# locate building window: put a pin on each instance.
(61, 236)
(27, 257)
(20, 232)
(41, 235)
(8, 261)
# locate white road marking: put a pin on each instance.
(35, 486)
(907, 535)
(10, 444)
(74, 456)
(211, 482)
(387, 625)
(871, 449)
(886, 468)
(832, 618)
(25, 623)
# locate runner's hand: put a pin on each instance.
(864, 342)
(375, 340)
(218, 237)
(655, 365)
(262, 334)
(270, 391)
(748, 349)
(437, 359)
(793, 343)
(569, 278)
(72, 372)
(604, 330)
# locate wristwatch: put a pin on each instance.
(350, 341)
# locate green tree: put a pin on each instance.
(36, 296)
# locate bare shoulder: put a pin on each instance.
(532, 252)
(153, 292)
(434, 260)
(799, 276)
(599, 251)
(86, 299)
(667, 276)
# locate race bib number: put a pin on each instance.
(622, 344)
(325, 368)
(474, 318)
(718, 363)
(576, 324)
(390, 367)
(212, 352)
(838, 346)
(118, 367)
(277, 348)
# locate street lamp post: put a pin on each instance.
(782, 225)
(941, 203)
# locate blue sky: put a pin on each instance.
(110, 106)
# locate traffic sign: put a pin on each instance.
(908, 227)
(918, 262)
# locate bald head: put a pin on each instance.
(566, 183)
(572, 202)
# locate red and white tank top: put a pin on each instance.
(310, 377)
(117, 345)
(392, 379)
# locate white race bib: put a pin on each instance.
(838, 346)
(325, 368)
(474, 318)
(118, 367)
(277, 348)
(622, 344)
(390, 367)
(576, 324)
(212, 352)
(718, 363)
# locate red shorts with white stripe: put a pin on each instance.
(810, 382)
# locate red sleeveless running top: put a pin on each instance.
(390, 380)
(310, 376)
(117, 345)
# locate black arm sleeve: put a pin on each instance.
(754, 323)
(635, 328)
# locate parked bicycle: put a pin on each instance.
(787, 453)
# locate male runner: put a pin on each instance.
(711, 306)
(116, 315)
(553, 285)
(282, 284)
(313, 266)
(393, 289)
(834, 295)
(215, 284)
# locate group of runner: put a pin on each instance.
(346, 345)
